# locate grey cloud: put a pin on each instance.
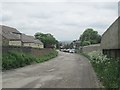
(66, 21)
(99, 25)
(107, 5)
(119, 8)
(41, 15)
(70, 24)
(5, 19)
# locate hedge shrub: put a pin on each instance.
(13, 59)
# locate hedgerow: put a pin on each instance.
(13, 59)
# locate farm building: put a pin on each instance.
(27, 41)
(110, 42)
(38, 44)
(10, 36)
(30, 41)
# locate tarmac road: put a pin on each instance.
(65, 71)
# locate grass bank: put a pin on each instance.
(13, 59)
(107, 69)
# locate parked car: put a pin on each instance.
(72, 51)
(62, 50)
(68, 50)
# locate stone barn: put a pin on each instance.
(10, 36)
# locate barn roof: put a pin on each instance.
(10, 33)
(27, 39)
(38, 41)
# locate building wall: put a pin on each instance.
(110, 39)
(34, 45)
(112, 53)
(15, 43)
(28, 44)
(5, 42)
(41, 46)
(38, 46)
(0, 40)
(119, 32)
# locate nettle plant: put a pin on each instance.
(98, 57)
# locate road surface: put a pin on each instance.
(65, 71)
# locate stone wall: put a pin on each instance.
(90, 48)
(29, 50)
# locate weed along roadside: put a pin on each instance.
(15, 59)
(107, 69)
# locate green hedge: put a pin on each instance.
(13, 59)
(107, 69)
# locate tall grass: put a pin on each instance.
(107, 69)
(13, 59)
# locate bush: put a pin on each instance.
(106, 68)
(13, 59)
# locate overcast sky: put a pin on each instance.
(66, 20)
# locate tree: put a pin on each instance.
(47, 39)
(85, 43)
(90, 36)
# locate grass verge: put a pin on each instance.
(107, 69)
(13, 59)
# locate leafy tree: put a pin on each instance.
(85, 43)
(47, 39)
(90, 36)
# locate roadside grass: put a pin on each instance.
(0, 61)
(13, 59)
(107, 69)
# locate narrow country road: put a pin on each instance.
(66, 71)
